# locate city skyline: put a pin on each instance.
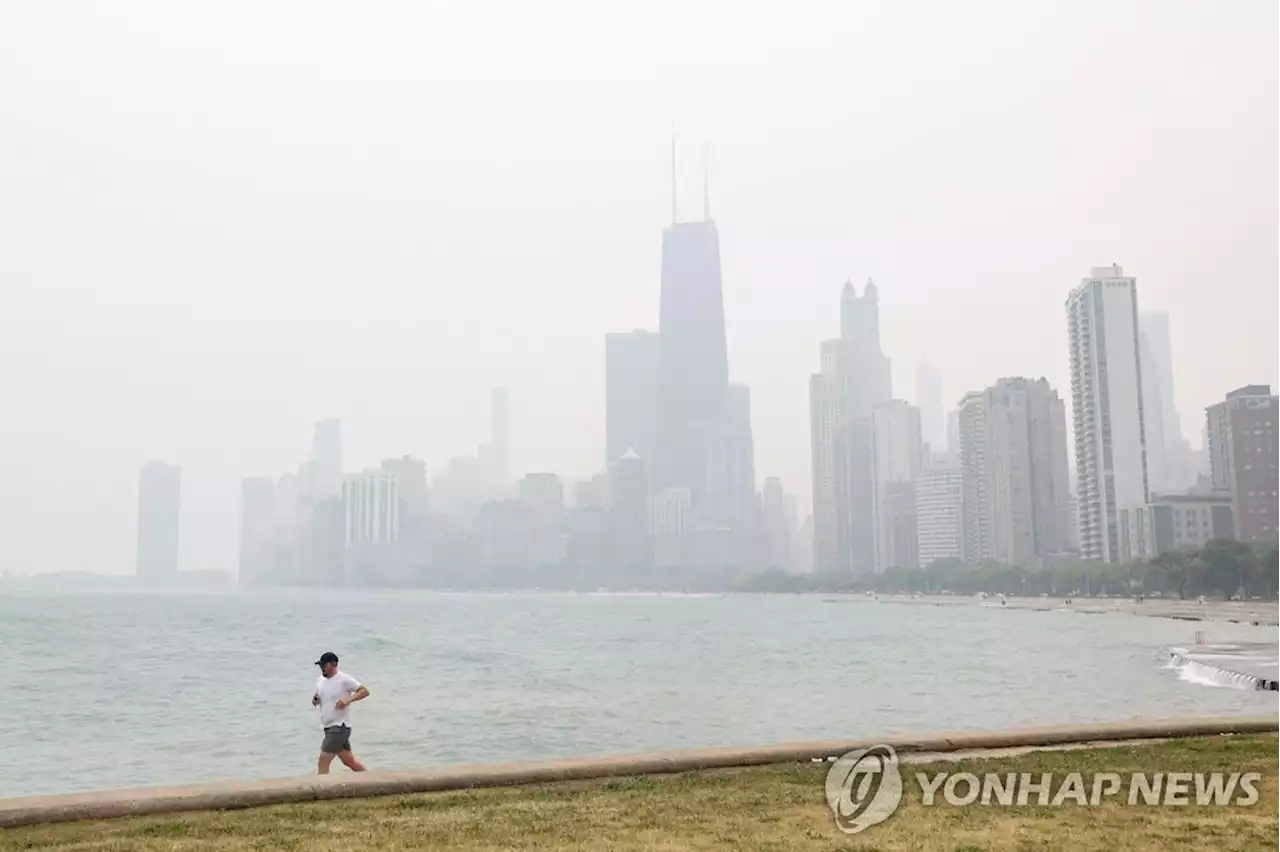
(261, 270)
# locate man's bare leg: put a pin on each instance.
(323, 763)
(348, 757)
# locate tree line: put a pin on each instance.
(1223, 568)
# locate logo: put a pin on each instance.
(864, 788)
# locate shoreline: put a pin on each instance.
(1255, 613)
(108, 804)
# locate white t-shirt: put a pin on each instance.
(330, 689)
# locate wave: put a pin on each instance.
(1203, 674)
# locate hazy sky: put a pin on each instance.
(222, 222)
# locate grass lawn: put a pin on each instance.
(768, 808)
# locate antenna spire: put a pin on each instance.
(706, 182)
(674, 216)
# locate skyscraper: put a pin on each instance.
(1106, 407)
(1176, 470)
(544, 494)
(1154, 326)
(933, 426)
(372, 499)
(797, 558)
(854, 379)
(826, 419)
(1152, 416)
(693, 367)
(326, 461)
(975, 507)
(628, 522)
(776, 523)
(855, 497)
(159, 505)
(257, 529)
(631, 393)
(732, 464)
(896, 457)
(867, 371)
(1026, 471)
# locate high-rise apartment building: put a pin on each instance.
(1106, 407)
(631, 393)
(1027, 479)
(826, 421)
(938, 506)
(975, 506)
(1242, 451)
(159, 505)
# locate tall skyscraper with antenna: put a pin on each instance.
(693, 366)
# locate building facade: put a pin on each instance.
(372, 501)
(257, 529)
(627, 539)
(1027, 479)
(1241, 434)
(693, 366)
(774, 509)
(1175, 522)
(940, 532)
(854, 379)
(975, 509)
(159, 507)
(933, 419)
(544, 494)
(325, 472)
(631, 393)
(1106, 407)
(896, 462)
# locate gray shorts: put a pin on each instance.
(336, 738)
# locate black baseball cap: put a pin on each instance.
(327, 657)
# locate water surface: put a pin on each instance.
(122, 689)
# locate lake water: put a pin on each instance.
(134, 689)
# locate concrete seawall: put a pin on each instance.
(247, 794)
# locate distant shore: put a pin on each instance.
(1264, 613)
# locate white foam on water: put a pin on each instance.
(1189, 671)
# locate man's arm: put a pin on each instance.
(361, 693)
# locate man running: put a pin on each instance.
(335, 691)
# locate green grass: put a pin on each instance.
(769, 808)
